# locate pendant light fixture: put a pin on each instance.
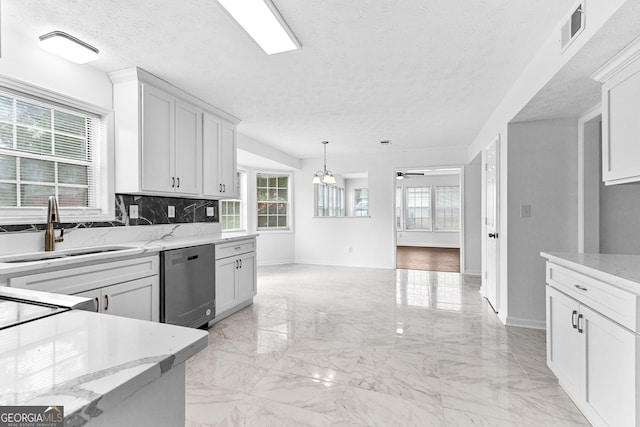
(324, 176)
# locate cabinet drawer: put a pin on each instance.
(226, 250)
(615, 303)
(73, 280)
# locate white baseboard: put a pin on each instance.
(277, 262)
(316, 262)
(526, 323)
(428, 245)
(472, 273)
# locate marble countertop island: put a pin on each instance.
(622, 271)
(90, 363)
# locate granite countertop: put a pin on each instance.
(127, 250)
(88, 362)
(622, 271)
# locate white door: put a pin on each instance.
(565, 355)
(610, 370)
(228, 160)
(135, 299)
(492, 202)
(188, 149)
(157, 140)
(226, 289)
(247, 277)
(212, 186)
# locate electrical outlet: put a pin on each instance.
(133, 212)
(210, 211)
(525, 211)
(171, 212)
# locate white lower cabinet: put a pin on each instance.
(235, 276)
(128, 287)
(593, 356)
(132, 299)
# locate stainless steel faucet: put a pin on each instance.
(52, 218)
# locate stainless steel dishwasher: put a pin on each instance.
(187, 286)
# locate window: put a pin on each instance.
(417, 208)
(231, 211)
(47, 150)
(273, 201)
(447, 208)
(329, 200)
(361, 202)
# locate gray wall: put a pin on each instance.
(620, 218)
(592, 180)
(473, 216)
(543, 173)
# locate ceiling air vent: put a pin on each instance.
(572, 26)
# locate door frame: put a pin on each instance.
(483, 287)
(586, 117)
(462, 207)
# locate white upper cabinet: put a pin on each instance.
(168, 142)
(621, 116)
(219, 156)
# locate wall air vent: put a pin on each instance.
(573, 26)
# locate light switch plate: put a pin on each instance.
(209, 210)
(525, 211)
(133, 212)
(171, 212)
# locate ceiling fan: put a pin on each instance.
(403, 175)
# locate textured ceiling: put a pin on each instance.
(571, 92)
(418, 72)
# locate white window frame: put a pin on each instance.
(435, 209)
(289, 227)
(355, 204)
(333, 198)
(242, 198)
(429, 210)
(104, 155)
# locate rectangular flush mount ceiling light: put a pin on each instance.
(68, 47)
(262, 21)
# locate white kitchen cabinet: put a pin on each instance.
(620, 124)
(159, 132)
(593, 355)
(236, 276)
(127, 287)
(134, 299)
(219, 154)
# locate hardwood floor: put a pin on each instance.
(430, 259)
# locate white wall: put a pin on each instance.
(472, 216)
(543, 173)
(441, 239)
(371, 240)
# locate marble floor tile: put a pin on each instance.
(358, 347)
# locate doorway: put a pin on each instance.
(428, 215)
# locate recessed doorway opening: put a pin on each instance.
(428, 219)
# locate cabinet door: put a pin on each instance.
(621, 127)
(158, 110)
(138, 299)
(564, 343)
(227, 162)
(95, 295)
(188, 149)
(226, 289)
(247, 277)
(211, 133)
(611, 371)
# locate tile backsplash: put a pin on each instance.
(152, 210)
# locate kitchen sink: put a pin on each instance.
(45, 256)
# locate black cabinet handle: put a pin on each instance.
(582, 288)
(493, 235)
(97, 305)
(580, 330)
(106, 302)
(178, 182)
(240, 263)
(573, 319)
(173, 182)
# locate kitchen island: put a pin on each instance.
(104, 370)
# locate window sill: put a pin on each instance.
(23, 216)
